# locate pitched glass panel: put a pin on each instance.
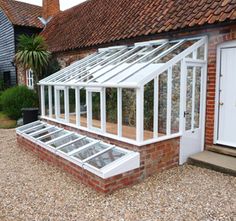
(106, 158)
(90, 151)
(43, 133)
(35, 129)
(53, 136)
(76, 145)
(64, 141)
(26, 127)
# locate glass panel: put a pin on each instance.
(129, 113)
(106, 158)
(96, 109)
(148, 110)
(26, 127)
(61, 103)
(111, 110)
(72, 115)
(30, 131)
(188, 112)
(175, 52)
(43, 133)
(46, 100)
(53, 136)
(162, 104)
(83, 108)
(155, 54)
(53, 103)
(64, 141)
(90, 151)
(200, 52)
(76, 145)
(175, 105)
(190, 55)
(197, 97)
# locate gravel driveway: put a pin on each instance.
(32, 190)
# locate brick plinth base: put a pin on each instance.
(154, 158)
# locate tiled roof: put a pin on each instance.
(23, 14)
(102, 21)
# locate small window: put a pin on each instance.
(30, 79)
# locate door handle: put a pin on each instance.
(186, 113)
(221, 103)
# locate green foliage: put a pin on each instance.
(16, 98)
(32, 53)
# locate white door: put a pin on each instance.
(192, 140)
(226, 134)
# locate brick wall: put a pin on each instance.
(154, 158)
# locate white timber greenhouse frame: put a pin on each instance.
(127, 68)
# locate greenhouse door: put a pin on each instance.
(194, 90)
(60, 101)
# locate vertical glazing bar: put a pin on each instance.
(193, 98)
(169, 103)
(139, 114)
(77, 105)
(103, 109)
(119, 112)
(50, 100)
(42, 100)
(155, 113)
(67, 104)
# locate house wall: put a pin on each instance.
(7, 47)
(216, 35)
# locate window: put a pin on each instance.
(30, 79)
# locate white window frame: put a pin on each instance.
(30, 79)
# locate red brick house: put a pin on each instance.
(209, 26)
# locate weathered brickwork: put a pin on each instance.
(50, 8)
(154, 158)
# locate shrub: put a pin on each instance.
(16, 98)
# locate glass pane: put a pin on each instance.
(72, 115)
(90, 151)
(111, 110)
(162, 104)
(175, 52)
(83, 108)
(53, 136)
(106, 158)
(30, 131)
(76, 145)
(96, 110)
(46, 100)
(188, 112)
(197, 97)
(175, 105)
(148, 110)
(64, 141)
(61, 104)
(129, 113)
(200, 52)
(45, 132)
(26, 127)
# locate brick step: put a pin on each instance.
(222, 150)
(214, 161)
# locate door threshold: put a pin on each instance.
(222, 149)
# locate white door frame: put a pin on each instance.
(230, 44)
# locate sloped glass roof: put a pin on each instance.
(122, 66)
(102, 159)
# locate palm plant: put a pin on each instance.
(33, 54)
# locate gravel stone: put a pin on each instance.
(30, 189)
